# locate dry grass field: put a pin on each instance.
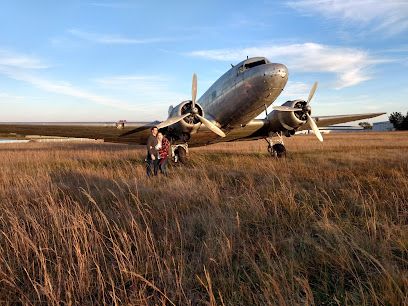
(80, 224)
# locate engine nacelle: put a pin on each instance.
(190, 124)
(288, 121)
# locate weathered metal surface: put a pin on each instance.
(232, 103)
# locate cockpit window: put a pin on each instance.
(254, 64)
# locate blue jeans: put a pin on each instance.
(163, 165)
(151, 164)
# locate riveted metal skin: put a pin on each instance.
(231, 104)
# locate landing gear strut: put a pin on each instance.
(276, 147)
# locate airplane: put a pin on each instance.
(226, 112)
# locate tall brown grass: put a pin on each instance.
(81, 224)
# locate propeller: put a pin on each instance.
(194, 91)
(211, 126)
(194, 112)
(305, 109)
(314, 127)
(171, 120)
(312, 92)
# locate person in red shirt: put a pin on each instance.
(163, 148)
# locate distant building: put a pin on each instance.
(383, 126)
(335, 129)
(346, 129)
(306, 132)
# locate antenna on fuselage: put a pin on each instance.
(266, 110)
(232, 65)
(247, 56)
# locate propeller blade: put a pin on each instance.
(211, 126)
(312, 92)
(314, 127)
(194, 91)
(172, 120)
(283, 108)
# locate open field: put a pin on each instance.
(81, 224)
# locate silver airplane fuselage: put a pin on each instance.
(225, 112)
(242, 92)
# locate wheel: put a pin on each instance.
(277, 150)
(180, 155)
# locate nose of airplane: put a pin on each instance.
(276, 71)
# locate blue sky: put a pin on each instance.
(110, 60)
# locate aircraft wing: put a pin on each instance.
(138, 132)
(324, 121)
(126, 132)
(259, 128)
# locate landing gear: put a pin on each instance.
(179, 153)
(276, 148)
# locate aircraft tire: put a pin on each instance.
(278, 150)
(182, 155)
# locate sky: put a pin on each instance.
(97, 60)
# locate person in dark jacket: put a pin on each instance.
(163, 147)
(152, 158)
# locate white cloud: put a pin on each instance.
(151, 94)
(296, 90)
(147, 89)
(109, 39)
(20, 67)
(13, 98)
(10, 98)
(13, 60)
(65, 88)
(390, 16)
(349, 65)
(134, 82)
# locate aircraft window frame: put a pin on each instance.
(255, 64)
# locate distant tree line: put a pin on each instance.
(366, 125)
(399, 121)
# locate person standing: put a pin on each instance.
(152, 158)
(163, 152)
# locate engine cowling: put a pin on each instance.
(289, 121)
(188, 125)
